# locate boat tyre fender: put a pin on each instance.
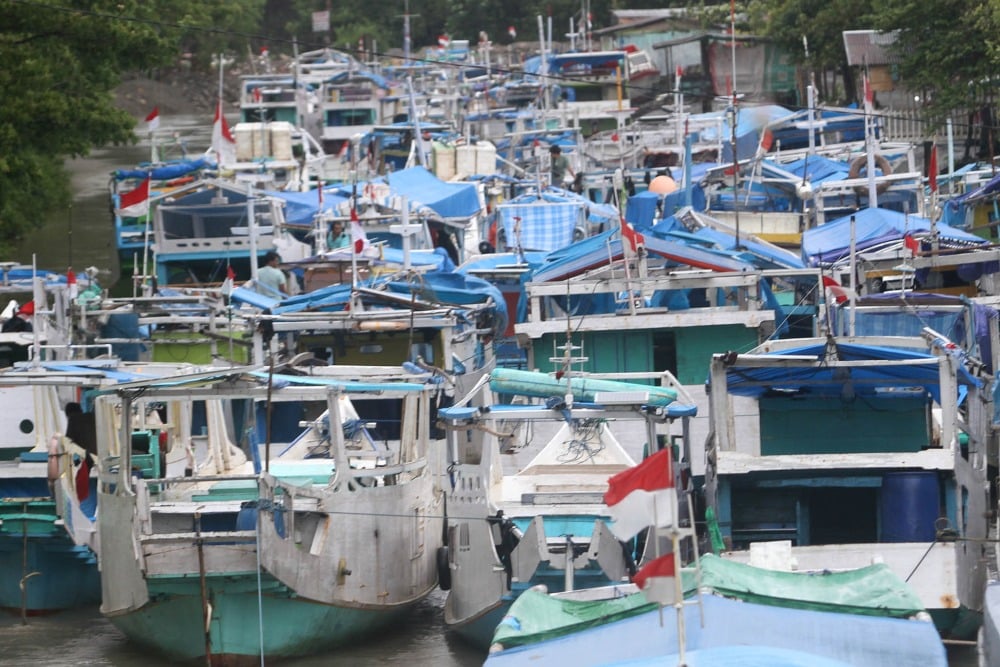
(860, 164)
(443, 569)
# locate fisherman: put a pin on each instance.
(337, 238)
(558, 166)
(270, 276)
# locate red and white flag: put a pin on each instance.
(657, 580)
(223, 143)
(869, 95)
(835, 291)
(71, 285)
(153, 119)
(643, 496)
(444, 41)
(359, 240)
(911, 244)
(134, 203)
(512, 32)
(631, 239)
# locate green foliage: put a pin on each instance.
(60, 68)
(947, 48)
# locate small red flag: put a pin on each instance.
(911, 243)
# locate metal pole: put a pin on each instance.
(206, 614)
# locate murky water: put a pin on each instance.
(84, 637)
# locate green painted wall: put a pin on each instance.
(607, 352)
(830, 426)
(696, 345)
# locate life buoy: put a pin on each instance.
(861, 164)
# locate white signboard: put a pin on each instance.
(321, 21)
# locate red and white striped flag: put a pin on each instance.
(134, 203)
(74, 290)
(223, 143)
(153, 120)
(359, 240)
(657, 580)
(631, 239)
(643, 496)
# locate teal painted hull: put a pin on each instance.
(171, 622)
(67, 575)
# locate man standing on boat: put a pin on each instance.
(337, 238)
(558, 166)
(271, 276)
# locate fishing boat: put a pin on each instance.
(48, 510)
(894, 468)
(737, 614)
(544, 523)
(321, 528)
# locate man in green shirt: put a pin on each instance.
(270, 275)
(558, 166)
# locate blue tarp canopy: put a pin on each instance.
(645, 208)
(449, 200)
(822, 380)
(301, 208)
(830, 243)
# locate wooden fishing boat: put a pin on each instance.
(312, 536)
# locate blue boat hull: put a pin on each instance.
(651, 637)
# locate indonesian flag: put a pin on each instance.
(631, 239)
(657, 580)
(153, 119)
(230, 282)
(512, 31)
(444, 41)
(135, 203)
(835, 291)
(869, 94)
(71, 285)
(223, 143)
(642, 496)
(358, 237)
(911, 244)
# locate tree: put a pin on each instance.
(947, 48)
(822, 23)
(61, 66)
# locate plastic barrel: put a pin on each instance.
(910, 505)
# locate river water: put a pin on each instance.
(82, 236)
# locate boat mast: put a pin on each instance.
(732, 123)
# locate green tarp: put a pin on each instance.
(871, 591)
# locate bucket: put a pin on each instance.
(910, 505)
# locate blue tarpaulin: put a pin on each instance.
(830, 243)
(449, 200)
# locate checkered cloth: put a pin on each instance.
(543, 225)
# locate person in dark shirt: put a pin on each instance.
(81, 428)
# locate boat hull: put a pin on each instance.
(652, 635)
(172, 621)
(56, 574)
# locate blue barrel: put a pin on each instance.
(911, 502)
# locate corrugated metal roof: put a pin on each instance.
(870, 47)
